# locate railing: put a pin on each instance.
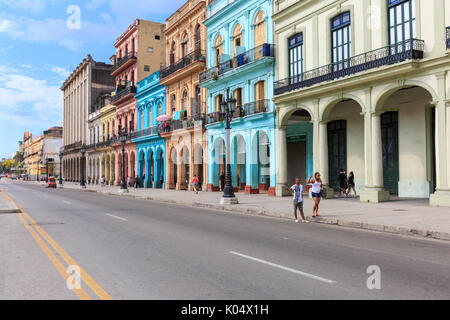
(402, 51)
(195, 56)
(103, 144)
(123, 92)
(121, 61)
(248, 109)
(192, 122)
(75, 145)
(147, 132)
(448, 37)
(264, 51)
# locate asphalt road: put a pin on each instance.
(135, 249)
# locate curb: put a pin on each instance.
(405, 231)
(10, 211)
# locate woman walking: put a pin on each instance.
(351, 184)
(316, 192)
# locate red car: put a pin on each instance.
(51, 183)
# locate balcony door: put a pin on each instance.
(402, 24)
(341, 41)
(337, 150)
(389, 135)
(260, 29)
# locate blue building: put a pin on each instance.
(241, 61)
(151, 147)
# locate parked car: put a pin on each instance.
(51, 183)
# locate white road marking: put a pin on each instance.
(304, 274)
(116, 217)
(67, 202)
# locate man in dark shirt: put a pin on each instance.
(342, 182)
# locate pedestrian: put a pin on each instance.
(129, 182)
(316, 192)
(341, 180)
(351, 184)
(102, 181)
(297, 191)
(195, 184)
(222, 182)
(162, 181)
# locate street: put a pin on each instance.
(137, 249)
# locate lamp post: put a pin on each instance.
(46, 169)
(61, 154)
(83, 160)
(123, 186)
(228, 107)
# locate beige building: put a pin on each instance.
(371, 77)
(186, 100)
(81, 90)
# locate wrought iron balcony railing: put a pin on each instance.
(195, 56)
(192, 122)
(402, 51)
(264, 51)
(125, 59)
(147, 132)
(129, 89)
(248, 109)
(448, 37)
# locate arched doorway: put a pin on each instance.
(239, 167)
(198, 163)
(217, 172)
(185, 165)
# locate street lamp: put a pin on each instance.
(83, 159)
(227, 108)
(61, 154)
(46, 168)
(123, 139)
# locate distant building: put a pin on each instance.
(81, 90)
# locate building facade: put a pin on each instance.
(108, 138)
(151, 147)
(80, 92)
(241, 62)
(140, 52)
(372, 80)
(186, 100)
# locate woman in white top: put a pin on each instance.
(316, 192)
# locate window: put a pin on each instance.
(150, 49)
(260, 91)
(147, 68)
(219, 99)
(157, 37)
(218, 49)
(160, 109)
(172, 54)
(150, 117)
(237, 38)
(184, 45)
(185, 101)
(237, 94)
(260, 29)
(296, 58)
(142, 120)
(198, 38)
(402, 22)
(341, 43)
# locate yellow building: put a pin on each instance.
(372, 79)
(34, 159)
(108, 135)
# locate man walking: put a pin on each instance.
(297, 190)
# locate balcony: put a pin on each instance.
(249, 109)
(193, 57)
(264, 51)
(448, 37)
(393, 54)
(124, 62)
(153, 131)
(188, 123)
(123, 91)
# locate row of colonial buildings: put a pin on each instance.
(319, 85)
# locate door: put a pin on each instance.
(389, 135)
(337, 150)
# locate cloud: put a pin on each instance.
(64, 73)
(27, 101)
(95, 4)
(28, 5)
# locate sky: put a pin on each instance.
(43, 41)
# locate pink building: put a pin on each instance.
(140, 50)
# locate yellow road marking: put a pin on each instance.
(99, 291)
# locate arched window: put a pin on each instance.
(260, 91)
(172, 53)
(237, 94)
(142, 124)
(160, 111)
(260, 29)
(198, 38)
(184, 45)
(185, 101)
(237, 38)
(218, 49)
(150, 116)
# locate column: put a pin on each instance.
(374, 190)
(282, 178)
(327, 191)
(442, 195)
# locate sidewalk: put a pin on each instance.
(400, 216)
(7, 207)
